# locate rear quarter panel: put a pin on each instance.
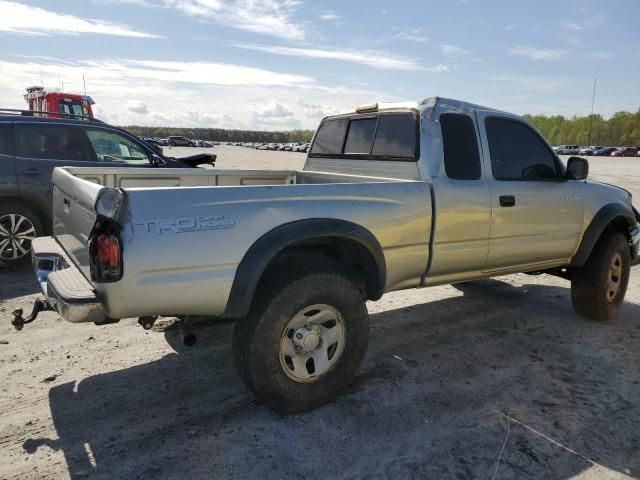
(182, 246)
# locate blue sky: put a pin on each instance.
(279, 64)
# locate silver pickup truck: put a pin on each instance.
(392, 196)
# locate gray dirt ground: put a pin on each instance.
(451, 373)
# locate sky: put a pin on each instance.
(284, 64)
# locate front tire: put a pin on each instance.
(19, 225)
(304, 339)
(598, 288)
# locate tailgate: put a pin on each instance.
(74, 215)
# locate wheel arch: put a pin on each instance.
(43, 213)
(612, 217)
(348, 242)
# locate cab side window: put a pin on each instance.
(51, 142)
(460, 145)
(113, 147)
(518, 153)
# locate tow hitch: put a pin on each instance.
(39, 305)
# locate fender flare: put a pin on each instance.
(265, 249)
(600, 221)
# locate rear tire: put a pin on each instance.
(304, 339)
(598, 288)
(19, 225)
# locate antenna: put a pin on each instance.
(85, 85)
(593, 100)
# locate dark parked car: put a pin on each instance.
(176, 141)
(31, 147)
(603, 151)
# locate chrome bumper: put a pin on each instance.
(63, 285)
(635, 245)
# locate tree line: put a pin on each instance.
(621, 129)
(225, 135)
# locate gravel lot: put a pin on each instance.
(456, 377)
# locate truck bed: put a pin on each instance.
(184, 232)
(205, 177)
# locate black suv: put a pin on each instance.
(177, 141)
(31, 147)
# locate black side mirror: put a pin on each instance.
(577, 168)
(156, 161)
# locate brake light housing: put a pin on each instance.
(106, 258)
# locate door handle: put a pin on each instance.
(32, 172)
(507, 200)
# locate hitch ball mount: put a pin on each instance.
(39, 305)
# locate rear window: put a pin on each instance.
(383, 136)
(360, 136)
(6, 142)
(396, 136)
(47, 141)
(330, 137)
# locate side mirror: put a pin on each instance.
(577, 168)
(156, 161)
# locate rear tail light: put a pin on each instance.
(106, 264)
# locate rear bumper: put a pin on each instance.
(64, 286)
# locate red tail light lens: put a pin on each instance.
(107, 262)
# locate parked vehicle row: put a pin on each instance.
(282, 147)
(178, 141)
(597, 150)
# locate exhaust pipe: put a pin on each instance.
(187, 334)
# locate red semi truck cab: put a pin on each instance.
(59, 104)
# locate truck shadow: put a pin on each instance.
(427, 404)
(17, 282)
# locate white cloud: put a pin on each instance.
(414, 35)
(330, 16)
(27, 20)
(274, 114)
(272, 110)
(537, 53)
(136, 106)
(453, 51)
(377, 59)
(312, 110)
(186, 94)
(269, 17)
(439, 69)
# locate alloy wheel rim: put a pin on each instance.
(16, 234)
(614, 277)
(312, 343)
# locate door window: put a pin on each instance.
(518, 153)
(460, 144)
(48, 141)
(113, 147)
